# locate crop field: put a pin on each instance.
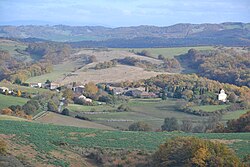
(46, 138)
(6, 101)
(167, 52)
(210, 108)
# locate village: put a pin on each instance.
(79, 93)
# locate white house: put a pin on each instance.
(36, 85)
(222, 96)
(85, 99)
(4, 89)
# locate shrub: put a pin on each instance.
(3, 147)
(192, 151)
(139, 126)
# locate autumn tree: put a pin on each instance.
(91, 89)
(192, 151)
(19, 93)
(6, 111)
(68, 94)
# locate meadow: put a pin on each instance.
(166, 52)
(6, 101)
(151, 111)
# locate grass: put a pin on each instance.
(210, 108)
(167, 52)
(24, 88)
(233, 115)
(6, 101)
(7, 117)
(49, 137)
(81, 108)
(59, 71)
(152, 111)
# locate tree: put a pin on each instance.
(192, 151)
(164, 97)
(68, 94)
(3, 147)
(160, 57)
(139, 126)
(6, 111)
(186, 126)
(65, 111)
(91, 88)
(19, 93)
(170, 124)
(232, 97)
(241, 124)
(52, 106)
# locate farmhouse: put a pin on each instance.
(36, 85)
(117, 90)
(4, 89)
(85, 99)
(148, 95)
(222, 96)
(78, 89)
(53, 86)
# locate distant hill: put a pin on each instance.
(229, 34)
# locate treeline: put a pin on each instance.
(151, 42)
(131, 61)
(55, 52)
(224, 65)
(43, 56)
(106, 64)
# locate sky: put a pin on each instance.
(117, 13)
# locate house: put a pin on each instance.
(53, 85)
(36, 85)
(148, 95)
(222, 96)
(117, 90)
(78, 89)
(134, 93)
(85, 99)
(4, 89)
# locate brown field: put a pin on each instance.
(115, 74)
(58, 119)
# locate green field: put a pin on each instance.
(167, 52)
(45, 137)
(233, 115)
(59, 71)
(6, 101)
(210, 108)
(152, 111)
(24, 88)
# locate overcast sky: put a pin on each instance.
(115, 13)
